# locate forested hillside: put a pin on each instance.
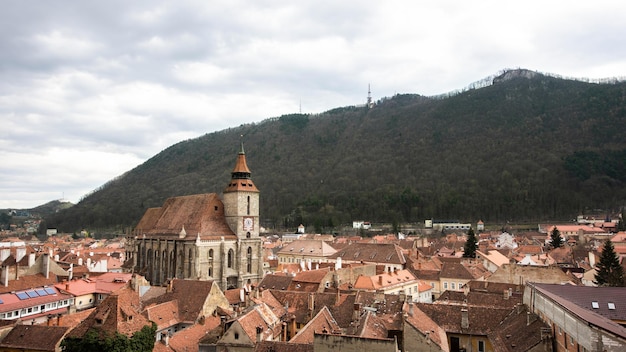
(528, 147)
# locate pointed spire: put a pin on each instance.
(182, 233)
(240, 176)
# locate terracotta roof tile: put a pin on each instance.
(34, 337)
(323, 322)
(201, 214)
(120, 312)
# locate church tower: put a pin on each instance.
(241, 210)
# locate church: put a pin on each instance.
(203, 236)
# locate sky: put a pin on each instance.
(92, 89)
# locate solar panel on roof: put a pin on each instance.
(22, 295)
(50, 291)
(1, 301)
(32, 294)
(41, 292)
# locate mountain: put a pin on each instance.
(525, 147)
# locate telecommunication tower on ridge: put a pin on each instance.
(369, 97)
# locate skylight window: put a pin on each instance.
(50, 290)
(611, 305)
(595, 305)
(22, 295)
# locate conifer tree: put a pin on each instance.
(469, 250)
(609, 272)
(555, 238)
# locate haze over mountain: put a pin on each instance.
(528, 147)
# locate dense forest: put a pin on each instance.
(528, 147)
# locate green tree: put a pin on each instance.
(609, 272)
(142, 341)
(555, 238)
(469, 250)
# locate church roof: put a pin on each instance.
(187, 217)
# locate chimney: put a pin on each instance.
(46, 265)
(380, 280)
(222, 324)
(80, 261)
(31, 259)
(5, 275)
(338, 263)
(59, 319)
(166, 339)
(311, 305)
(284, 331)
(411, 308)
(20, 252)
(464, 318)
(71, 272)
(592, 259)
(356, 312)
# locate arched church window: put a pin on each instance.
(210, 262)
(249, 259)
(230, 258)
(248, 206)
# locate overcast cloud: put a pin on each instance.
(91, 89)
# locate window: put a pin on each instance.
(453, 286)
(230, 258)
(249, 259)
(248, 206)
(236, 336)
(571, 340)
(611, 305)
(595, 305)
(481, 346)
(445, 285)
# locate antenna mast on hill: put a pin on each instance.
(369, 96)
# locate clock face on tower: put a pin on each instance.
(248, 224)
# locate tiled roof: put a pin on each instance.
(455, 270)
(29, 281)
(385, 280)
(372, 253)
(190, 294)
(199, 214)
(117, 313)
(517, 332)
(34, 337)
(275, 281)
(422, 322)
(187, 339)
(164, 314)
(11, 301)
(482, 320)
(323, 322)
(314, 248)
